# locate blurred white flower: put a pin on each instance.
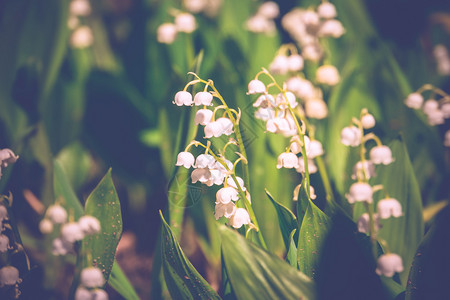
(204, 161)
(82, 37)
(185, 22)
(327, 74)
(414, 100)
(359, 192)
(4, 243)
(230, 182)
(296, 144)
(388, 264)
(360, 167)
(269, 10)
(302, 88)
(82, 293)
(368, 121)
(99, 294)
(260, 24)
(351, 136)
(92, 277)
(240, 217)
(316, 108)
(315, 149)
(183, 98)
(326, 10)
(45, 226)
(60, 247)
(295, 62)
(89, 225)
(280, 65)
(389, 207)
(281, 100)
(435, 117)
(9, 275)
(381, 155)
(331, 28)
(312, 168)
(72, 232)
(312, 52)
(7, 157)
(195, 6)
(430, 106)
(447, 139)
(265, 114)
(166, 33)
(265, 101)
(80, 8)
(445, 108)
(57, 214)
(3, 213)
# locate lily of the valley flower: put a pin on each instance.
(389, 207)
(287, 160)
(360, 192)
(185, 159)
(381, 155)
(240, 217)
(388, 264)
(183, 98)
(351, 136)
(226, 195)
(256, 86)
(203, 98)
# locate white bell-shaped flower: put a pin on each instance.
(213, 129)
(9, 275)
(445, 108)
(315, 149)
(89, 225)
(226, 194)
(331, 28)
(92, 277)
(217, 177)
(389, 207)
(312, 52)
(61, 247)
(227, 125)
(316, 109)
(363, 223)
(185, 159)
(82, 293)
(296, 144)
(203, 116)
(183, 98)
(265, 114)
(326, 10)
(381, 155)
(195, 6)
(436, 117)
(265, 101)
(260, 24)
(430, 106)
(185, 22)
(312, 168)
(269, 10)
(282, 97)
(414, 100)
(80, 8)
(351, 136)
(256, 86)
(388, 264)
(327, 74)
(4, 243)
(360, 192)
(203, 98)
(302, 88)
(72, 232)
(224, 210)
(201, 174)
(166, 33)
(310, 18)
(7, 157)
(204, 161)
(230, 181)
(295, 63)
(45, 226)
(82, 37)
(368, 121)
(280, 65)
(287, 160)
(363, 170)
(240, 217)
(57, 214)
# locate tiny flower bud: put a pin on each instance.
(166, 33)
(203, 98)
(203, 117)
(89, 225)
(185, 22)
(256, 86)
(92, 277)
(240, 217)
(359, 192)
(226, 194)
(414, 100)
(46, 226)
(4, 243)
(183, 98)
(389, 264)
(71, 232)
(9, 275)
(389, 207)
(381, 155)
(368, 121)
(57, 214)
(327, 10)
(287, 160)
(351, 136)
(269, 10)
(327, 74)
(185, 159)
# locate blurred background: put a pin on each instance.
(90, 86)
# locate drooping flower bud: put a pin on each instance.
(92, 277)
(389, 264)
(185, 159)
(381, 155)
(389, 207)
(240, 217)
(359, 192)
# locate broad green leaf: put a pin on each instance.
(64, 192)
(103, 203)
(428, 278)
(257, 274)
(291, 256)
(402, 234)
(313, 231)
(182, 279)
(76, 161)
(119, 282)
(286, 219)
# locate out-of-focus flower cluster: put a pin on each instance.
(81, 36)
(263, 20)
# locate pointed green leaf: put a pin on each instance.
(257, 274)
(291, 256)
(119, 282)
(182, 279)
(402, 234)
(103, 203)
(64, 192)
(286, 219)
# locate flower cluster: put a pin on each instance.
(208, 7)
(69, 232)
(308, 26)
(81, 36)
(436, 109)
(91, 283)
(212, 168)
(361, 191)
(184, 22)
(263, 20)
